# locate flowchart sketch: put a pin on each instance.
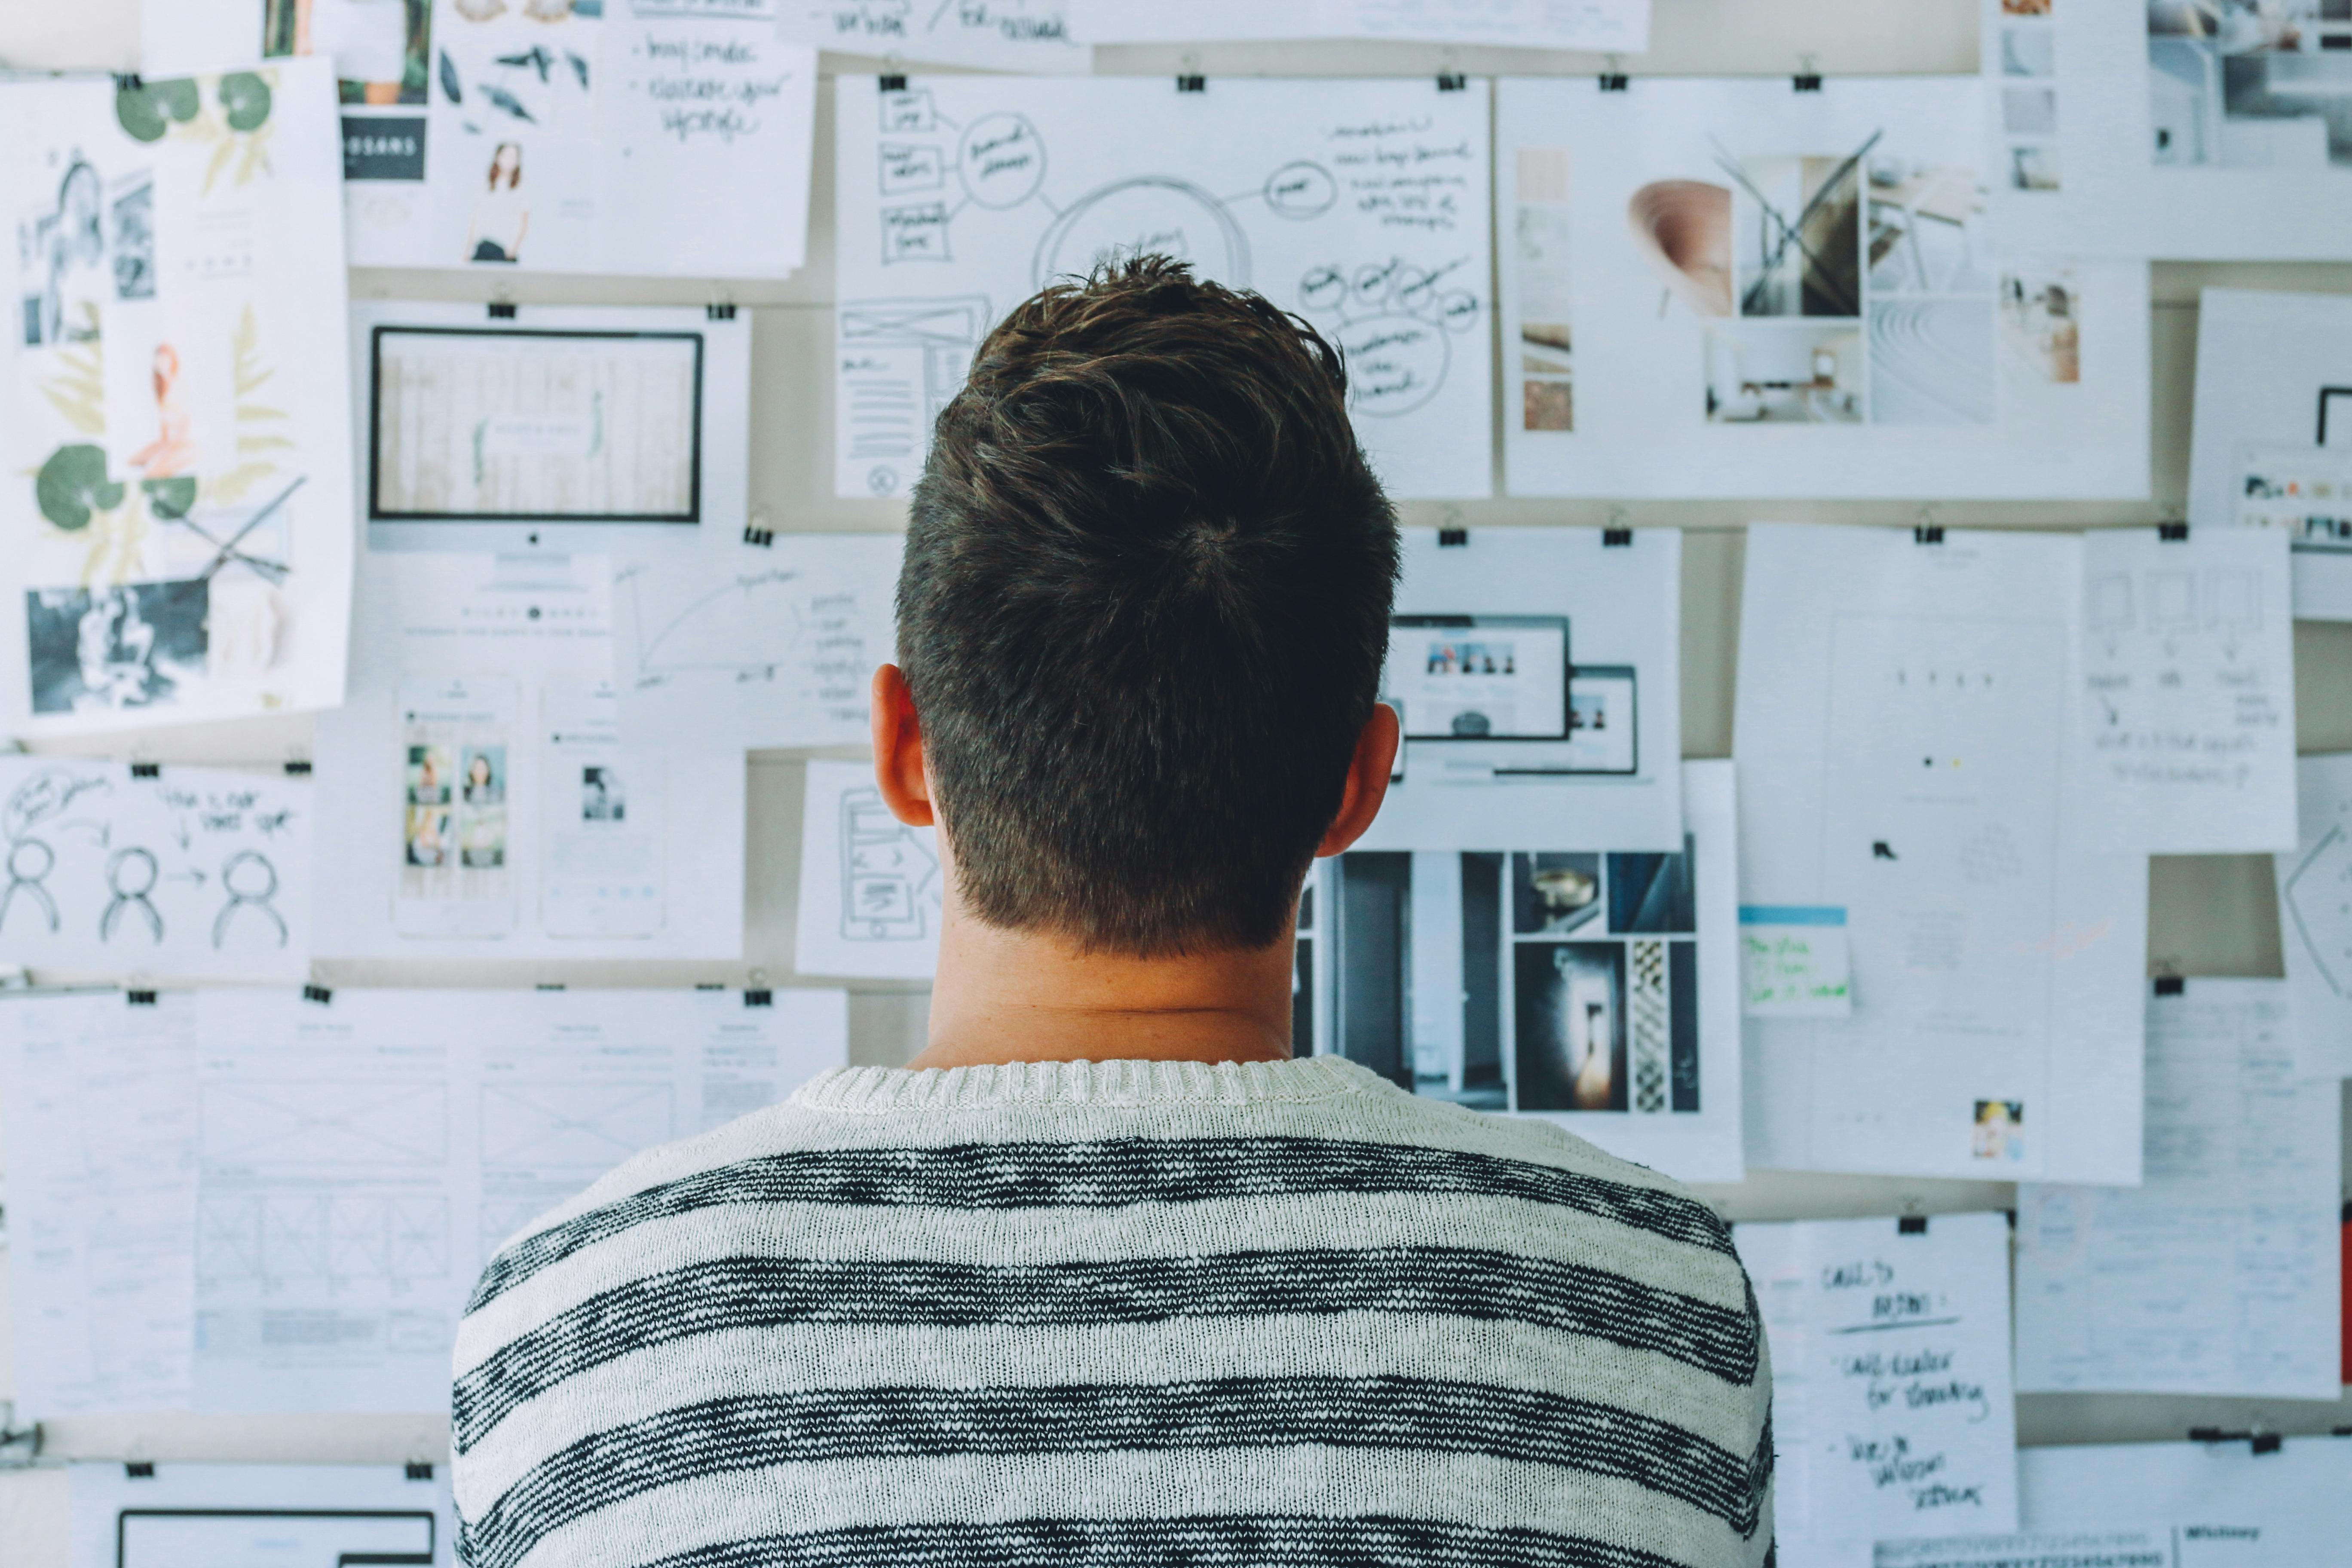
(154, 871)
(1361, 205)
(1905, 733)
(769, 640)
(2188, 721)
(1723, 288)
(2315, 888)
(984, 35)
(871, 887)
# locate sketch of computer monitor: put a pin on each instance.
(1499, 697)
(549, 429)
(297, 1537)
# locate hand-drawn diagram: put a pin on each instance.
(175, 871)
(284, 1236)
(569, 1125)
(1359, 205)
(889, 877)
(265, 1124)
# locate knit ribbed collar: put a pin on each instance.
(871, 1091)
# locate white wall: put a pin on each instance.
(2209, 916)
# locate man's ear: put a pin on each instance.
(1368, 778)
(899, 750)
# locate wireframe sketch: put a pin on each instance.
(901, 362)
(2318, 899)
(155, 1537)
(571, 1125)
(2250, 83)
(307, 1122)
(292, 1237)
(889, 877)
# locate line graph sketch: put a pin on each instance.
(287, 1236)
(1361, 205)
(312, 1122)
(595, 1125)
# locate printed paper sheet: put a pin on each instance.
(2220, 1273)
(100, 1125)
(985, 35)
(2174, 129)
(1725, 288)
(769, 643)
(479, 798)
(2315, 890)
(2188, 695)
(1619, 25)
(1905, 734)
(1595, 987)
(173, 423)
(194, 1516)
(1361, 206)
(871, 887)
(185, 872)
(1892, 1412)
(2273, 442)
(1536, 672)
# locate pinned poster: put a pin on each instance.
(1361, 205)
(1727, 288)
(871, 888)
(174, 429)
(142, 869)
(1794, 962)
(178, 1515)
(2314, 891)
(2272, 448)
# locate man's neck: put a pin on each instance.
(1023, 996)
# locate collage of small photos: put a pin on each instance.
(1869, 650)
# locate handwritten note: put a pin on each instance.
(1794, 962)
(2187, 700)
(1891, 1409)
(987, 35)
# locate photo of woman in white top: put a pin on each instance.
(501, 217)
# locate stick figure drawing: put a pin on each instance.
(251, 881)
(42, 799)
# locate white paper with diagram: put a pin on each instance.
(1892, 1412)
(155, 871)
(2221, 1272)
(1716, 286)
(983, 35)
(2174, 129)
(1536, 674)
(2315, 891)
(480, 796)
(764, 639)
(2188, 695)
(98, 1097)
(2272, 445)
(365, 1153)
(1904, 731)
(1599, 24)
(871, 888)
(1361, 206)
(292, 1516)
(175, 401)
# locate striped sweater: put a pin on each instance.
(1116, 1314)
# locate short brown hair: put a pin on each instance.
(1144, 610)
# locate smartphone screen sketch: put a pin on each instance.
(457, 876)
(601, 870)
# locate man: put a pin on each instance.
(1108, 1277)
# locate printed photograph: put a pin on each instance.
(1652, 894)
(485, 775)
(132, 645)
(1785, 373)
(1798, 233)
(1554, 893)
(2028, 51)
(427, 838)
(601, 798)
(1569, 1011)
(432, 773)
(2251, 83)
(482, 835)
(2041, 341)
(2033, 168)
(2000, 1132)
(1931, 361)
(380, 46)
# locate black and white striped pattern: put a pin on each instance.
(1120, 1313)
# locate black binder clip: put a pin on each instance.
(893, 84)
(1927, 534)
(1616, 538)
(139, 998)
(319, 993)
(146, 770)
(1612, 81)
(1806, 82)
(758, 998)
(128, 81)
(298, 768)
(2171, 985)
(419, 1470)
(762, 537)
(549, 985)
(502, 310)
(1451, 82)
(139, 1469)
(1452, 538)
(2172, 532)
(1191, 84)
(1911, 1224)
(720, 312)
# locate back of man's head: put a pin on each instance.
(1143, 613)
